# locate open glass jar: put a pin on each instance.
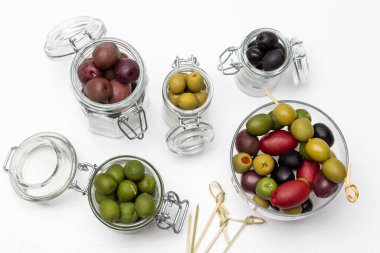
(79, 36)
(251, 80)
(189, 134)
(339, 148)
(45, 165)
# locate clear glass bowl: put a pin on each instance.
(158, 195)
(339, 148)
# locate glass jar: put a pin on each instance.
(45, 165)
(80, 36)
(339, 148)
(250, 80)
(189, 134)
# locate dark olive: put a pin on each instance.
(247, 143)
(249, 181)
(307, 206)
(291, 159)
(252, 43)
(274, 207)
(282, 174)
(98, 89)
(126, 70)
(267, 40)
(323, 132)
(87, 70)
(323, 187)
(106, 55)
(273, 59)
(120, 91)
(109, 75)
(254, 55)
(134, 85)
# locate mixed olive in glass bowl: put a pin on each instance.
(288, 160)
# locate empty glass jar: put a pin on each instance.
(189, 133)
(45, 165)
(79, 36)
(251, 80)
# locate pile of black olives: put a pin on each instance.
(265, 52)
(291, 161)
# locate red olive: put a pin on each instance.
(98, 89)
(87, 70)
(277, 142)
(120, 91)
(126, 70)
(290, 194)
(323, 187)
(308, 171)
(106, 55)
(249, 181)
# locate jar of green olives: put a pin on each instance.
(187, 93)
(262, 59)
(114, 109)
(45, 165)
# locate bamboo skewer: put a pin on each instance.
(194, 229)
(189, 234)
(267, 92)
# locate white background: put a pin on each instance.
(342, 41)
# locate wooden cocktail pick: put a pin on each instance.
(350, 187)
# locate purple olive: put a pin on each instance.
(255, 55)
(126, 70)
(106, 55)
(267, 40)
(109, 75)
(323, 187)
(120, 91)
(249, 181)
(87, 70)
(273, 59)
(98, 89)
(247, 143)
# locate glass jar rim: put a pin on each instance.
(272, 212)
(255, 71)
(137, 225)
(130, 100)
(209, 88)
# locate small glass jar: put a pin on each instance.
(45, 165)
(189, 134)
(80, 36)
(251, 80)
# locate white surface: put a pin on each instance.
(342, 41)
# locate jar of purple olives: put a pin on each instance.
(45, 165)
(187, 93)
(121, 114)
(262, 59)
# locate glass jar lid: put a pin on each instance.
(42, 167)
(300, 63)
(190, 138)
(70, 36)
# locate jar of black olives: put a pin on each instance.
(187, 93)
(262, 59)
(45, 165)
(121, 112)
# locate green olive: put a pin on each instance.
(318, 150)
(109, 210)
(302, 150)
(284, 114)
(116, 170)
(194, 81)
(173, 98)
(261, 202)
(147, 184)
(242, 162)
(334, 170)
(134, 170)
(302, 129)
(294, 210)
(177, 83)
(259, 124)
(302, 113)
(128, 213)
(105, 183)
(127, 191)
(263, 164)
(188, 101)
(144, 205)
(276, 125)
(202, 97)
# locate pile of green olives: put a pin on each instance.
(187, 90)
(283, 158)
(125, 194)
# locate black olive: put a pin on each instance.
(282, 174)
(307, 206)
(273, 59)
(255, 56)
(267, 40)
(291, 159)
(323, 132)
